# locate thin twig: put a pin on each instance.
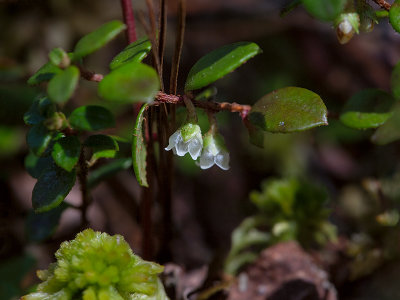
(82, 177)
(129, 20)
(162, 24)
(90, 76)
(383, 4)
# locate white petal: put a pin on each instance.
(181, 147)
(222, 160)
(173, 139)
(195, 146)
(206, 160)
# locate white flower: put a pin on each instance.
(214, 152)
(186, 139)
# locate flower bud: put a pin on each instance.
(214, 152)
(346, 25)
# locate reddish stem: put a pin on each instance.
(129, 20)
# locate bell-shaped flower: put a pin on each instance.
(346, 25)
(214, 152)
(186, 139)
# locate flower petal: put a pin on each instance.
(195, 146)
(222, 160)
(181, 147)
(206, 160)
(173, 139)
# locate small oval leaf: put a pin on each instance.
(132, 82)
(63, 85)
(45, 73)
(394, 15)
(326, 10)
(51, 188)
(97, 39)
(135, 51)
(66, 152)
(38, 139)
(390, 131)
(103, 146)
(40, 110)
(91, 118)
(139, 152)
(36, 165)
(288, 110)
(367, 109)
(219, 63)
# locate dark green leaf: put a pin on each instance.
(38, 139)
(59, 57)
(219, 63)
(256, 135)
(110, 169)
(51, 188)
(208, 93)
(63, 85)
(103, 146)
(394, 15)
(41, 226)
(390, 131)
(132, 82)
(135, 51)
(288, 110)
(395, 81)
(91, 118)
(326, 10)
(66, 152)
(37, 165)
(11, 141)
(41, 109)
(289, 7)
(367, 109)
(139, 152)
(45, 73)
(97, 39)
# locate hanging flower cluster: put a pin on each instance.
(96, 266)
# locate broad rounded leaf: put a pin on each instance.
(91, 118)
(41, 226)
(45, 73)
(325, 10)
(38, 139)
(36, 165)
(103, 146)
(135, 51)
(62, 86)
(51, 189)
(97, 39)
(132, 82)
(367, 109)
(219, 63)
(40, 110)
(66, 151)
(394, 15)
(395, 81)
(390, 131)
(288, 110)
(139, 152)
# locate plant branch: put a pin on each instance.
(90, 76)
(129, 20)
(82, 177)
(383, 4)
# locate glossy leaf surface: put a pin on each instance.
(97, 39)
(66, 152)
(219, 63)
(36, 165)
(38, 139)
(132, 82)
(288, 110)
(91, 118)
(139, 152)
(103, 146)
(62, 86)
(326, 10)
(394, 15)
(40, 109)
(45, 73)
(135, 51)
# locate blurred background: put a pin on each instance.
(362, 180)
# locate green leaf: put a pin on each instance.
(139, 152)
(394, 15)
(91, 118)
(66, 151)
(40, 110)
(367, 109)
(41, 226)
(51, 188)
(256, 135)
(110, 169)
(38, 139)
(219, 63)
(45, 73)
(135, 51)
(132, 82)
(326, 10)
(97, 39)
(59, 57)
(289, 109)
(390, 131)
(103, 146)
(63, 85)
(395, 81)
(37, 165)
